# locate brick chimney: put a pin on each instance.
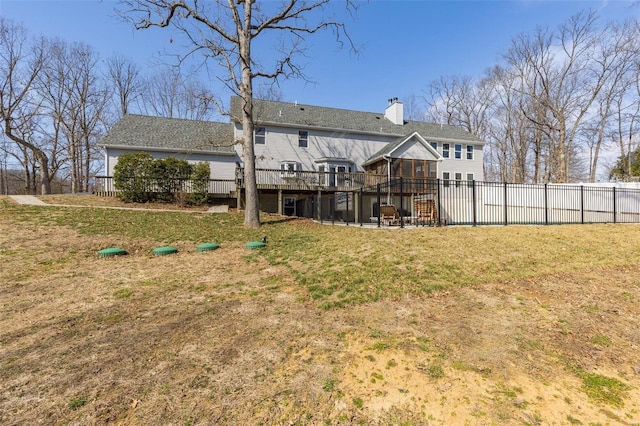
(395, 112)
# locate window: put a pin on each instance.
(259, 136)
(289, 168)
(458, 152)
(434, 145)
(406, 168)
(445, 150)
(432, 169)
(445, 179)
(303, 138)
(469, 152)
(470, 180)
(458, 179)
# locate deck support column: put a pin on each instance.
(280, 212)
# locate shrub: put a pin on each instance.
(140, 178)
(130, 177)
(200, 184)
(169, 176)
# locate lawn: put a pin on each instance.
(326, 325)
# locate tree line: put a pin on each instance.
(57, 100)
(559, 99)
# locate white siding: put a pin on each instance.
(282, 145)
(415, 150)
(462, 165)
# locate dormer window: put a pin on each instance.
(259, 136)
(303, 138)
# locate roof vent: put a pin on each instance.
(301, 109)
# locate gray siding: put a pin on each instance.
(222, 166)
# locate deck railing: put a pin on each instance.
(104, 186)
(312, 180)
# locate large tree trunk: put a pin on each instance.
(39, 155)
(252, 202)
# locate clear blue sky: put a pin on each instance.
(405, 44)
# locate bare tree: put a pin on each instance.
(21, 62)
(225, 31)
(413, 108)
(74, 98)
(170, 94)
(126, 80)
(562, 83)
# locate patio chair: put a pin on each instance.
(426, 212)
(389, 215)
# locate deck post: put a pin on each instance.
(360, 208)
(347, 211)
(280, 212)
(319, 205)
(239, 197)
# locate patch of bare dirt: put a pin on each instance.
(225, 338)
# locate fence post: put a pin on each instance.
(378, 193)
(505, 204)
(473, 189)
(438, 207)
(401, 204)
(546, 205)
(614, 205)
(582, 204)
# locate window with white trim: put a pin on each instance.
(469, 152)
(259, 136)
(289, 168)
(445, 179)
(470, 180)
(458, 151)
(458, 179)
(303, 138)
(445, 150)
(434, 145)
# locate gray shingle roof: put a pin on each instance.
(293, 114)
(141, 131)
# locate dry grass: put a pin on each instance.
(328, 325)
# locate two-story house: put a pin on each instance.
(303, 148)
